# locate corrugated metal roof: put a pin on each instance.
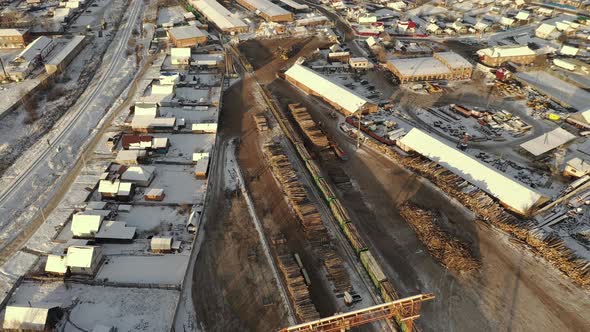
(267, 7)
(218, 14)
(336, 93)
(514, 194)
(81, 256)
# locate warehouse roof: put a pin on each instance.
(12, 32)
(66, 50)
(515, 195)
(332, 91)
(454, 60)
(218, 14)
(115, 230)
(505, 51)
(419, 66)
(267, 7)
(34, 49)
(186, 32)
(548, 141)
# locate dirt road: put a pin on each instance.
(514, 291)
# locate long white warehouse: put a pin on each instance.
(341, 98)
(267, 10)
(512, 194)
(223, 19)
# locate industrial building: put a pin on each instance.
(496, 56)
(187, 36)
(267, 10)
(340, 97)
(295, 6)
(512, 194)
(27, 60)
(222, 18)
(65, 56)
(14, 38)
(441, 66)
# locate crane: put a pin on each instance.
(405, 310)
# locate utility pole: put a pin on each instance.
(3, 69)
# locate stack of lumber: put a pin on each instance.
(311, 130)
(549, 245)
(450, 252)
(298, 290)
(308, 216)
(261, 122)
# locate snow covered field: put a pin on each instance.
(167, 269)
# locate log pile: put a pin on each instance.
(450, 252)
(298, 289)
(308, 216)
(549, 245)
(309, 127)
(261, 122)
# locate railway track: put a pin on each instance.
(18, 182)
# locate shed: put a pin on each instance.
(180, 55)
(56, 264)
(41, 316)
(511, 193)
(204, 128)
(577, 167)
(140, 175)
(130, 157)
(161, 244)
(548, 141)
(136, 142)
(154, 194)
(202, 168)
(86, 225)
(84, 259)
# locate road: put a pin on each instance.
(28, 187)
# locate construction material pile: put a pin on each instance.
(450, 252)
(309, 127)
(308, 216)
(549, 245)
(261, 122)
(298, 289)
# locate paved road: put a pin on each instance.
(26, 186)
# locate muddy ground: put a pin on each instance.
(513, 291)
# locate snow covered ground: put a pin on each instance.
(558, 89)
(166, 269)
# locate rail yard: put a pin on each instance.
(294, 165)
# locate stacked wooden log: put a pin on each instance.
(309, 127)
(450, 252)
(308, 216)
(296, 286)
(261, 122)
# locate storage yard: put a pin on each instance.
(295, 166)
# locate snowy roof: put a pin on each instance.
(267, 7)
(516, 195)
(81, 256)
(31, 316)
(127, 155)
(186, 32)
(161, 243)
(159, 89)
(34, 48)
(506, 21)
(569, 50)
(154, 192)
(66, 50)
(332, 91)
(180, 52)
(116, 230)
(218, 14)
(86, 224)
(454, 60)
(419, 66)
(522, 15)
(138, 173)
(56, 264)
(579, 164)
(548, 141)
(545, 29)
(506, 51)
(108, 186)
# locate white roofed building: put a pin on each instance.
(84, 259)
(42, 316)
(267, 10)
(546, 31)
(86, 225)
(340, 97)
(496, 56)
(548, 141)
(140, 175)
(219, 15)
(441, 66)
(511, 193)
(180, 55)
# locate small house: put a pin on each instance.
(160, 144)
(42, 316)
(56, 264)
(161, 244)
(576, 167)
(84, 259)
(130, 157)
(115, 231)
(154, 194)
(136, 142)
(180, 55)
(142, 176)
(85, 225)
